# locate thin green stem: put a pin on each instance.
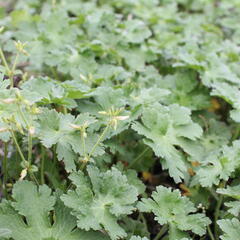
(5, 175)
(83, 143)
(236, 134)
(4, 60)
(83, 165)
(143, 219)
(217, 212)
(23, 116)
(29, 148)
(216, 215)
(21, 155)
(17, 145)
(213, 194)
(99, 141)
(65, 111)
(34, 178)
(13, 70)
(86, 158)
(42, 165)
(161, 232)
(138, 157)
(210, 233)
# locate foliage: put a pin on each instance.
(118, 117)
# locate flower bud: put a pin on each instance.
(75, 126)
(20, 47)
(31, 130)
(9, 100)
(3, 129)
(122, 118)
(23, 174)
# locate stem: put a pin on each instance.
(65, 110)
(5, 176)
(216, 214)
(143, 219)
(99, 140)
(83, 165)
(210, 233)
(22, 115)
(236, 134)
(34, 178)
(83, 144)
(13, 70)
(161, 232)
(29, 148)
(4, 60)
(17, 145)
(213, 194)
(42, 165)
(94, 147)
(138, 157)
(22, 156)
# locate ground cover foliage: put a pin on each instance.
(120, 119)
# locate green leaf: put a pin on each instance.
(219, 165)
(34, 205)
(165, 128)
(230, 228)
(169, 207)
(62, 130)
(100, 200)
(233, 192)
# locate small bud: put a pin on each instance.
(26, 102)
(33, 168)
(35, 110)
(9, 100)
(83, 77)
(20, 47)
(19, 127)
(85, 159)
(23, 174)
(1, 29)
(103, 112)
(75, 126)
(31, 130)
(3, 129)
(122, 118)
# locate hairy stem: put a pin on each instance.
(29, 148)
(42, 165)
(22, 156)
(161, 232)
(99, 140)
(210, 233)
(17, 145)
(217, 212)
(138, 157)
(13, 70)
(4, 60)
(83, 143)
(5, 175)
